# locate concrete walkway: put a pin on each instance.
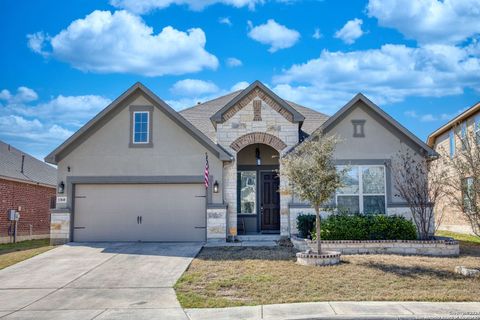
(97, 281)
(344, 311)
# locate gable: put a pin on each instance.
(256, 89)
(381, 131)
(136, 95)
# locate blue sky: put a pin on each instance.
(63, 61)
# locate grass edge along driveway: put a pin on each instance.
(12, 253)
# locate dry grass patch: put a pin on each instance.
(12, 253)
(221, 277)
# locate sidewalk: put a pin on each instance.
(344, 310)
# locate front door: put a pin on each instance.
(270, 200)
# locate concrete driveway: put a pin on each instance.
(97, 281)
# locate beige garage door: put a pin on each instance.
(139, 212)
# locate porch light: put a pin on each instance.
(215, 187)
(257, 156)
(61, 187)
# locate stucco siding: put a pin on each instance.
(107, 151)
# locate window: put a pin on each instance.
(468, 193)
(247, 192)
(452, 143)
(358, 128)
(477, 128)
(141, 127)
(363, 190)
(463, 135)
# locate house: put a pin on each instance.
(136, 170)
(446, 140)
(27, 185)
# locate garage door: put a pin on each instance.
(139, 212)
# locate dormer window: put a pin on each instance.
(141, 126)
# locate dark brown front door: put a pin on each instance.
(270, 201)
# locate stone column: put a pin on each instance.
(216, 223)
(285, 199)
(230, 192)
(60, 226)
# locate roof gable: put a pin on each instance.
(256, 89)
(340, 114)
(454, 122)
(104, 116)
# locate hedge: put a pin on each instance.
(358, 227)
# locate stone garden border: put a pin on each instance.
(441, 247)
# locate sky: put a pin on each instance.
(63, 61)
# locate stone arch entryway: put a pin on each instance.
(258, 184)
(258, 137)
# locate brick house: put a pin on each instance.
(27, 185)
(447, 140)
(136, 170)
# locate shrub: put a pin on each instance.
(305, 225)
(363, 227)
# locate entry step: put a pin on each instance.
(259, 237)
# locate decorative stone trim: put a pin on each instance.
(326, 258)
(258, 137)
(257, 92)
(216, 223)
(443, 247)
(257, 110)
(59, 226)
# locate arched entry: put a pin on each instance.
(258, 183)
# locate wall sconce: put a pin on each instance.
(61, 187)
(215, 187)
(257, 156)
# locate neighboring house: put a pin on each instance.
(136, 170)
(446, 140)
(28, 186)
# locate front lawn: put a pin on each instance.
(11, 253)
(235, 276)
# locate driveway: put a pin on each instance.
(97, 281)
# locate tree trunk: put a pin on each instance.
(317, 224)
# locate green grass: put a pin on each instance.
(12, 253)
(467, 239)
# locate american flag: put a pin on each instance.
(206, 171)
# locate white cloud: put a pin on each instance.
(234, 62)
(317, 34)
(225, 20)
(240, 86)
(275, 35)
(429, 117)
(429, 21)
(193, 87)
(351, 31)
(145, 6)
(121, 42)
(388, 74)
(23, 94)
(36, 42)
(40, 126)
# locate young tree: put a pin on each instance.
(420, 182)
(463, 176)
(312, 174)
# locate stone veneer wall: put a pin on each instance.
(239, 124)
(216, 223)
(445, 247)
(60, 226)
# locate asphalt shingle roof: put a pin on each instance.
(199, 115)
(34, 170)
